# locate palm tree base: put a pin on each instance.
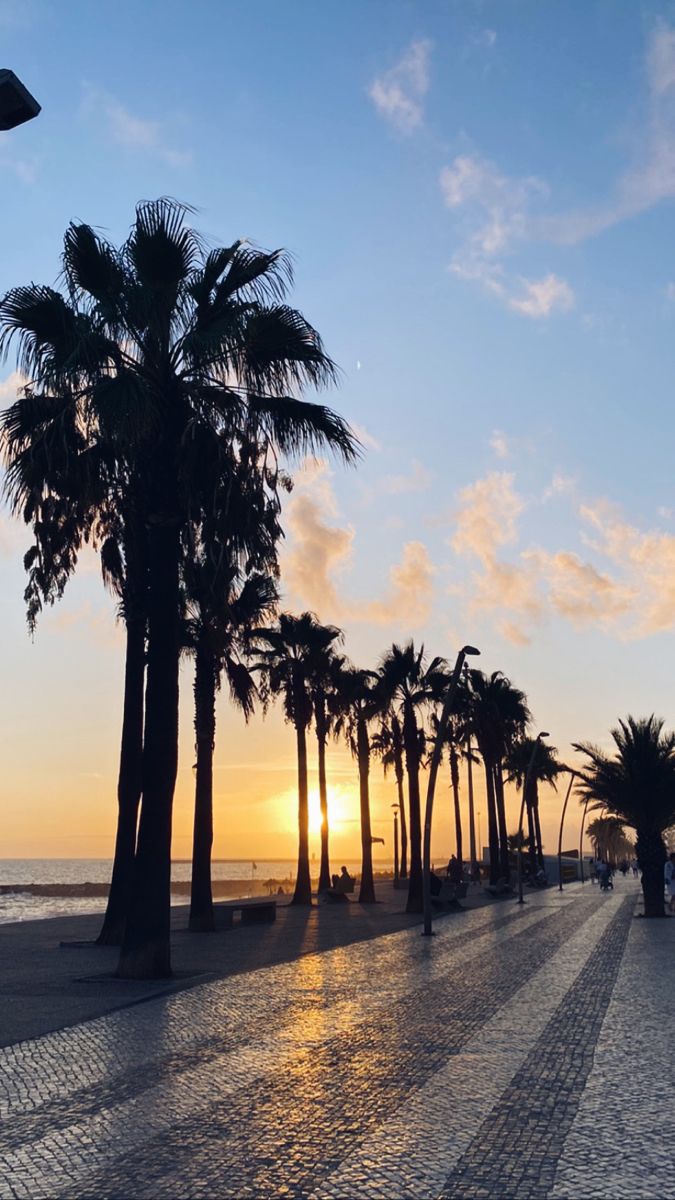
(151, 961)
(112, 935)
(203, 923)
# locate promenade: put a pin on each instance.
(521, 1052)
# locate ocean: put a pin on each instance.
(33, 888)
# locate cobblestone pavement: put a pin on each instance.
(519, 1053)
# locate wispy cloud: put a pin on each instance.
(24, 167)
(650, 178)
(542, 297)
(500, 444)
(398, 94)
(418, 479)
(494, 215)
(130, 130)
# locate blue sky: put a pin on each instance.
(480, 201)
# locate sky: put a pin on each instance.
(479, 199)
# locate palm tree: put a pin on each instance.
(62, 485)
(546, 769)
(409, 684)
(220, 612)
(174, 358)
(498, 716)
(637, 786)
(360, 702)
(287, 654)
(609, 839)
(323, 666)
(387, 744)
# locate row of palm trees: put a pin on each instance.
(164, 401)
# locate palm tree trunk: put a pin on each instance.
(303, 883)
(399, 771)
(651, 855)
(201, 894)
(504, 862)
(531, 833)
(454, 774)
(493, 835)
(403, 873)
(367, 889)
(320, 722)
(472, 821)
(146, 952)
(129, 783)
(411, 742)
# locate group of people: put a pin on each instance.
(603, 871)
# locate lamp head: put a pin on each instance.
(16, 103)
(470, 650)
(543, 734)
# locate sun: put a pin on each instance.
(339, 805)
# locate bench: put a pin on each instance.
(253, 912)
(449, 894)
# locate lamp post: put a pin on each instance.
(526, 787)
(396, 876)
(472, 824)
(431, 787)
(573, 776)
(16, 103)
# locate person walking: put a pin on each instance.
(669, 879)
(634, 867)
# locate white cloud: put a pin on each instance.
(319, 553)
(500, 444)
(543, 296)
(560, 485)
(129, 130)
(497, 211)
(10, 386)
(487, 520)
(624, 584)
(398, 94)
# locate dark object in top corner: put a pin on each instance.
(16, 103)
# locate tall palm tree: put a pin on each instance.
(359, 702)
(62, 484)
(221, 609)
(387, 744)
(286, 656)
(498, 715)
(546, 769)
(636, 785)
(174, 357)
(323, 669)
(410, 683)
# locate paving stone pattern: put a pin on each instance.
(398, 1067)
(516, 1150)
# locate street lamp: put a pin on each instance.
(526, 788)
(472, 823)
(573, 776)
(16, 103)
(396, 876)
(431, 787)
